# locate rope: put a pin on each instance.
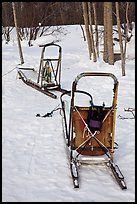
(8, 72)
(82, 119)
(91, 134)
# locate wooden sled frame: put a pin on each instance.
(56, 71)
(105, 136)
(84, 144)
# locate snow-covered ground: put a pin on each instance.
(34, 161)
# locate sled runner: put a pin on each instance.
(49, 75)
(89, 130)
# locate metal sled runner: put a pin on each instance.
(49, 75)
(89, 131)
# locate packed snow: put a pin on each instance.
(35, 167)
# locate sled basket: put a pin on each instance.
(103, 128)
(92, 128)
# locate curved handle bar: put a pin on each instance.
(51, 44)
(84, 74)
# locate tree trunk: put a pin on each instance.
(105, 53)
(127, 27)
(19, 44)
(120, 39)
(83, 32)
(110, 34)
(91, 32)
(86, 22)
(96, 27)
(108, 55)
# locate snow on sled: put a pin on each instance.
(89, 129)
(49, 75)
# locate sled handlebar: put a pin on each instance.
(84, 74)
(51, 44)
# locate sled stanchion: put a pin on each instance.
(90, 131)
(64, 115)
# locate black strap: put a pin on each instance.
(48, 114)
(44, 116)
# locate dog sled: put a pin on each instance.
(48, 78)
(89, 130)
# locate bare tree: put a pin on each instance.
(71, 12)
(91, 32)
(120, 39)
(6, 32)
(15, 21)
(108, 38)
(83, 32)
(86, 22)
(110, 34)
(105, 53)
(127, 28)
(7, 14)
(96, 27)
